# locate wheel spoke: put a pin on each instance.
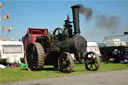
(95, 65)
(91, 67)
(92, 55)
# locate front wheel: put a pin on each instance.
(92, 61)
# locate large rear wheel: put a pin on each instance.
(35, 56)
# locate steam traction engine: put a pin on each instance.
(56, 49)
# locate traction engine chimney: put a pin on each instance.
(75, 11)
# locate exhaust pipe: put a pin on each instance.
(75, 11)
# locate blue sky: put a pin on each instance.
(52, 13)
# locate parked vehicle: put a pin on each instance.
(93, 47)
(11, 51)
(114, 54)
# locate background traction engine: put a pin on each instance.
(56, 49)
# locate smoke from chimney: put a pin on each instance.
(107, 22)
(102, 21)
(85, 11)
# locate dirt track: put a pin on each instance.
(103, 78)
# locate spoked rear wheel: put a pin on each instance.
(35, 56)
(65, 62)
(92, 61)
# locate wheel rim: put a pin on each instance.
(66, 63)
(92, 61)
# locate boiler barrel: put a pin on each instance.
(75, 44)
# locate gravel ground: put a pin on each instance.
(102, 78)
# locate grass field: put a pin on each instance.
(20, 74)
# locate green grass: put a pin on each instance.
(20, 74)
